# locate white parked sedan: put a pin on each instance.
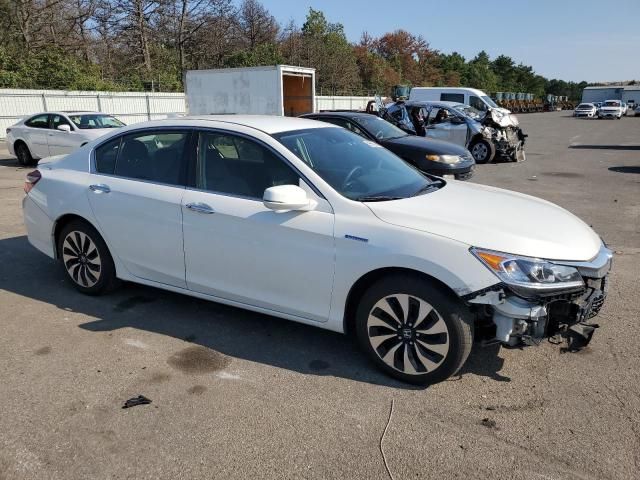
(56, 133)
(310, 222)
(586, 110)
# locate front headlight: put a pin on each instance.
(527, 275)
(448, 159)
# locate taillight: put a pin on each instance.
(31, 180)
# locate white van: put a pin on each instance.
(469, 96)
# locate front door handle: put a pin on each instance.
(99, 188)
(200, 208)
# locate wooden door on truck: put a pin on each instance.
(297, 94)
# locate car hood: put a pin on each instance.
(494, 219)
(428, 145)
(93, 133)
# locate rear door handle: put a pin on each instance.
(99, 188)
(200, 208)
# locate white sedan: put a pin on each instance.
(310, 222)
(56, 133)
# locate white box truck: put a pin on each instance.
(271, 90)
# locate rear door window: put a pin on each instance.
(39, 121)
(157, 156)
(106, 155)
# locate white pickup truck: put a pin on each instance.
(611, 109)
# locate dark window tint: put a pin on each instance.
(39, 121)
(452, 97)
(238, 166)
(157, 157)
(57, 120)
(106, 155)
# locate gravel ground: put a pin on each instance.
(242, 395)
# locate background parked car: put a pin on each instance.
(637, 111)
(611, 109)
(430, 156)
(484, 135)
(56, 133)
(586, 110)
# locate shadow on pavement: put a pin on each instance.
(231, 331)
(10, 162)
(606, 147)
(624, 169)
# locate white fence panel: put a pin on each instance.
(130, 107)
(341, 103)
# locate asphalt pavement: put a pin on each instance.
(242, 395)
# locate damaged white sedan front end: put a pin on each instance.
(539, 299)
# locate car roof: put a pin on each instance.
(66, 112)
(341, 113)
(269, 124)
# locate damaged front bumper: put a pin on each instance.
(509, 142)
(511, 319)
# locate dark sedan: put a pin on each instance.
(431, 156)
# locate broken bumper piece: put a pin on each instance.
(514, 320)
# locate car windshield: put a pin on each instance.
(611, 104)
(585, 106)
(489, 102)
(93, 120)
(469, 111)
(379, 128)
(357, 168)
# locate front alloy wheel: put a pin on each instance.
(414, 329)
(408, 334)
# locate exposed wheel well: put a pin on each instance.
(61, 223)
(363, 283)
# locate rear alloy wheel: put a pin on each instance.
(482, 151)
(24, 155)
(86, 258)
(413, 331)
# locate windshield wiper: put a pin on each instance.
(434, 185)
(377, 198)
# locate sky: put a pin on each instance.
(572, 40)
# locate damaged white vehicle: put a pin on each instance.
(310, 222)
(486, 134)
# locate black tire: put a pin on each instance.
(432, 357)
(483, 151)
(24, 155)
(86, 258)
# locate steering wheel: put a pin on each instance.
(351, 176)
(379, 135)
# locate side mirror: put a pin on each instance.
(457, 120)
(286, 197)
(64, 128)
